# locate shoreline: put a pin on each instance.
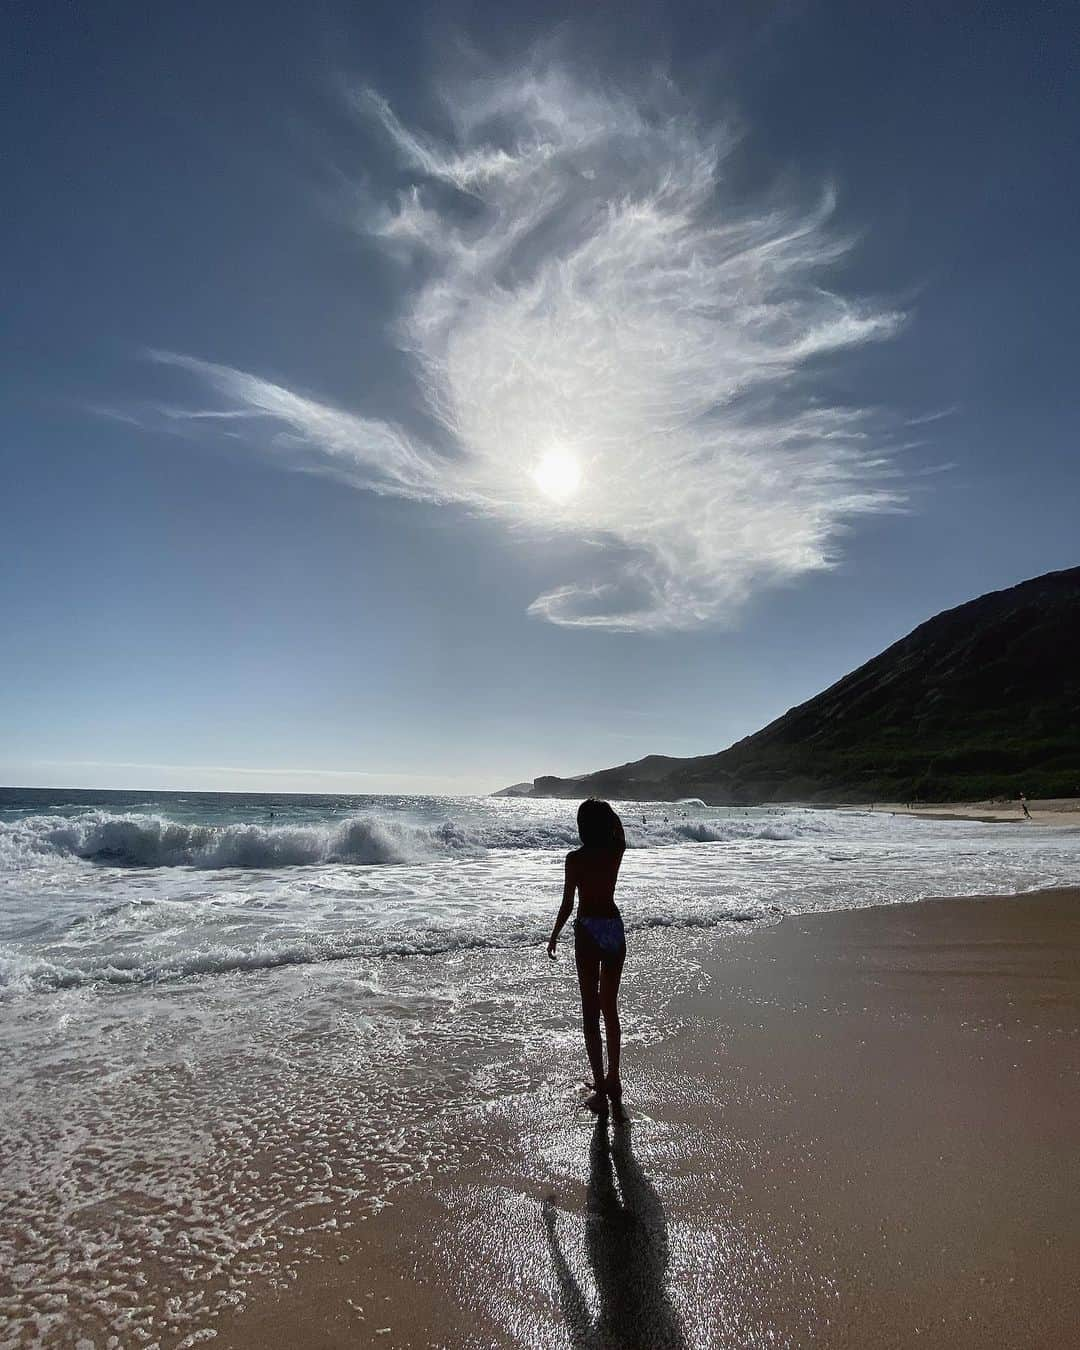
(1059, 811)
(860, 1131)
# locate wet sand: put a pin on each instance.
(1044, 811)
(861, 1130)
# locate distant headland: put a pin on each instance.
(981, 701)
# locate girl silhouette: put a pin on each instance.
(599, 941)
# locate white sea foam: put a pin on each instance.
(152, 964)
(155, 841)
(137, 840)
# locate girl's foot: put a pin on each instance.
(597, 1103)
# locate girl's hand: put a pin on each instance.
(551, 947)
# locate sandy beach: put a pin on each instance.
(860, 1131)
(1044, 811)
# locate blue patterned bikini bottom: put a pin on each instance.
(607, 935)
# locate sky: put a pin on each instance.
(406, 398)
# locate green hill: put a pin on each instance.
(980, 701)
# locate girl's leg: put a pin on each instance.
(588, 970)
(610, 975)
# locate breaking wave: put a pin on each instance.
(135, 840)
(155, 841)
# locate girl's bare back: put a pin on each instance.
(594, 872)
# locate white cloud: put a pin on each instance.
(578, 281)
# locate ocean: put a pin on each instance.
(232, 1023)
(133, 889)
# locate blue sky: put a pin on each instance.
(404, 398)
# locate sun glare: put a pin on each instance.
(557, 475)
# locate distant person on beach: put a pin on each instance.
(1024, 806)
(599, 941)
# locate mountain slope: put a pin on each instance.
(980, 701)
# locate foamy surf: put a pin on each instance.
(135, 839)
(154, 964)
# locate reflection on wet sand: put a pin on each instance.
(626, 1241)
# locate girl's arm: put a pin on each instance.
(565, 908)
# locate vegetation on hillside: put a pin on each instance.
(981, 701)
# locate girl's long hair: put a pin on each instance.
(599, 825)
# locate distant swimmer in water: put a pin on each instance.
(599, 941)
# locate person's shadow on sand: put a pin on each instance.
(627, 1244)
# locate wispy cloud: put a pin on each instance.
(578, 282)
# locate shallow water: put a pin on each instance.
(225, 1033)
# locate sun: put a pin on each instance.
(557, 475)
